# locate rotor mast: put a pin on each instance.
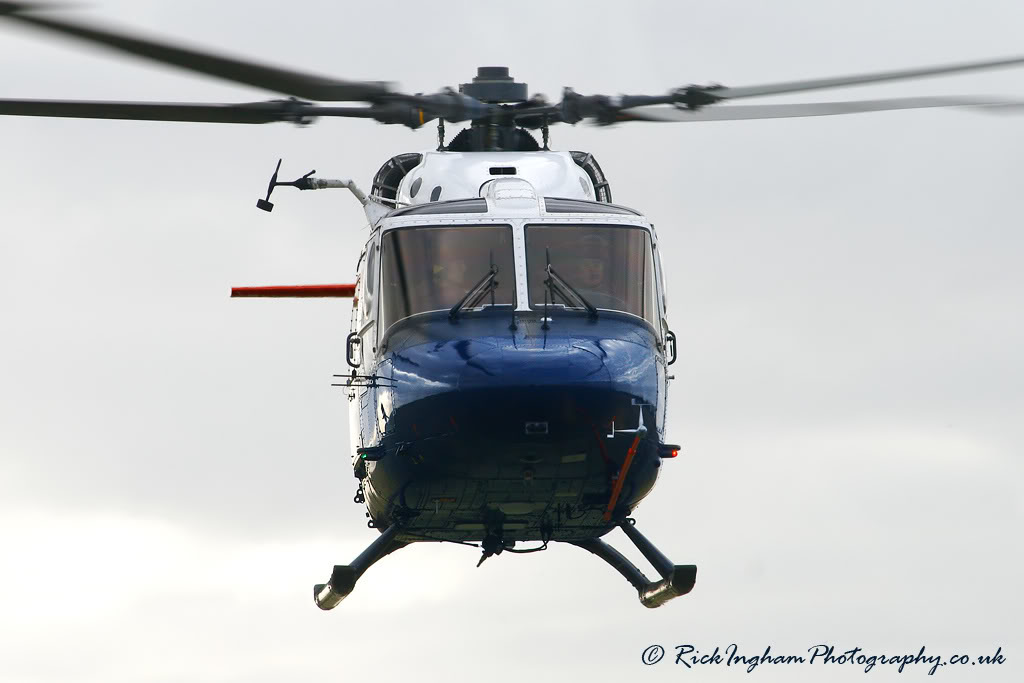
(497, 131)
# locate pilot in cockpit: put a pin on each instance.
(449, 279)
(591, 277)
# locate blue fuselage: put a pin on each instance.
(497, 423)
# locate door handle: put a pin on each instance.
(354, 349)
(670, 347)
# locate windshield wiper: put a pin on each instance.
(557, 284)
(477, 292)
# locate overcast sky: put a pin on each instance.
(847, 293)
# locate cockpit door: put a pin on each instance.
(361, 346)
(666, 340)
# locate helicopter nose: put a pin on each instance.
(616, 358)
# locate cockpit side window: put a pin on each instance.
(433, 268)
(610, 266)
(371, 267)
(368, 276)
(659, 293)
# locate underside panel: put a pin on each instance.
(527, 464)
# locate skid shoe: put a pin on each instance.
(676, 579)
(343, 578)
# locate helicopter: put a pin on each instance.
(504, 389)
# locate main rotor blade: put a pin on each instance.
(780, 111)
(861, 79)
(272, 78)
(246, 112)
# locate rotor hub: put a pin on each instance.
(492, 84)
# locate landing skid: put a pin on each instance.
(676, 579)
(344, 577)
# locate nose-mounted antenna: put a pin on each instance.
(303, 183)
(373, 209)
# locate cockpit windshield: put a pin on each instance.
(610, 266)
(433, 268)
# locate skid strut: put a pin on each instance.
(344, 577)
(676, 579)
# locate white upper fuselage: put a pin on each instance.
(443, 176)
